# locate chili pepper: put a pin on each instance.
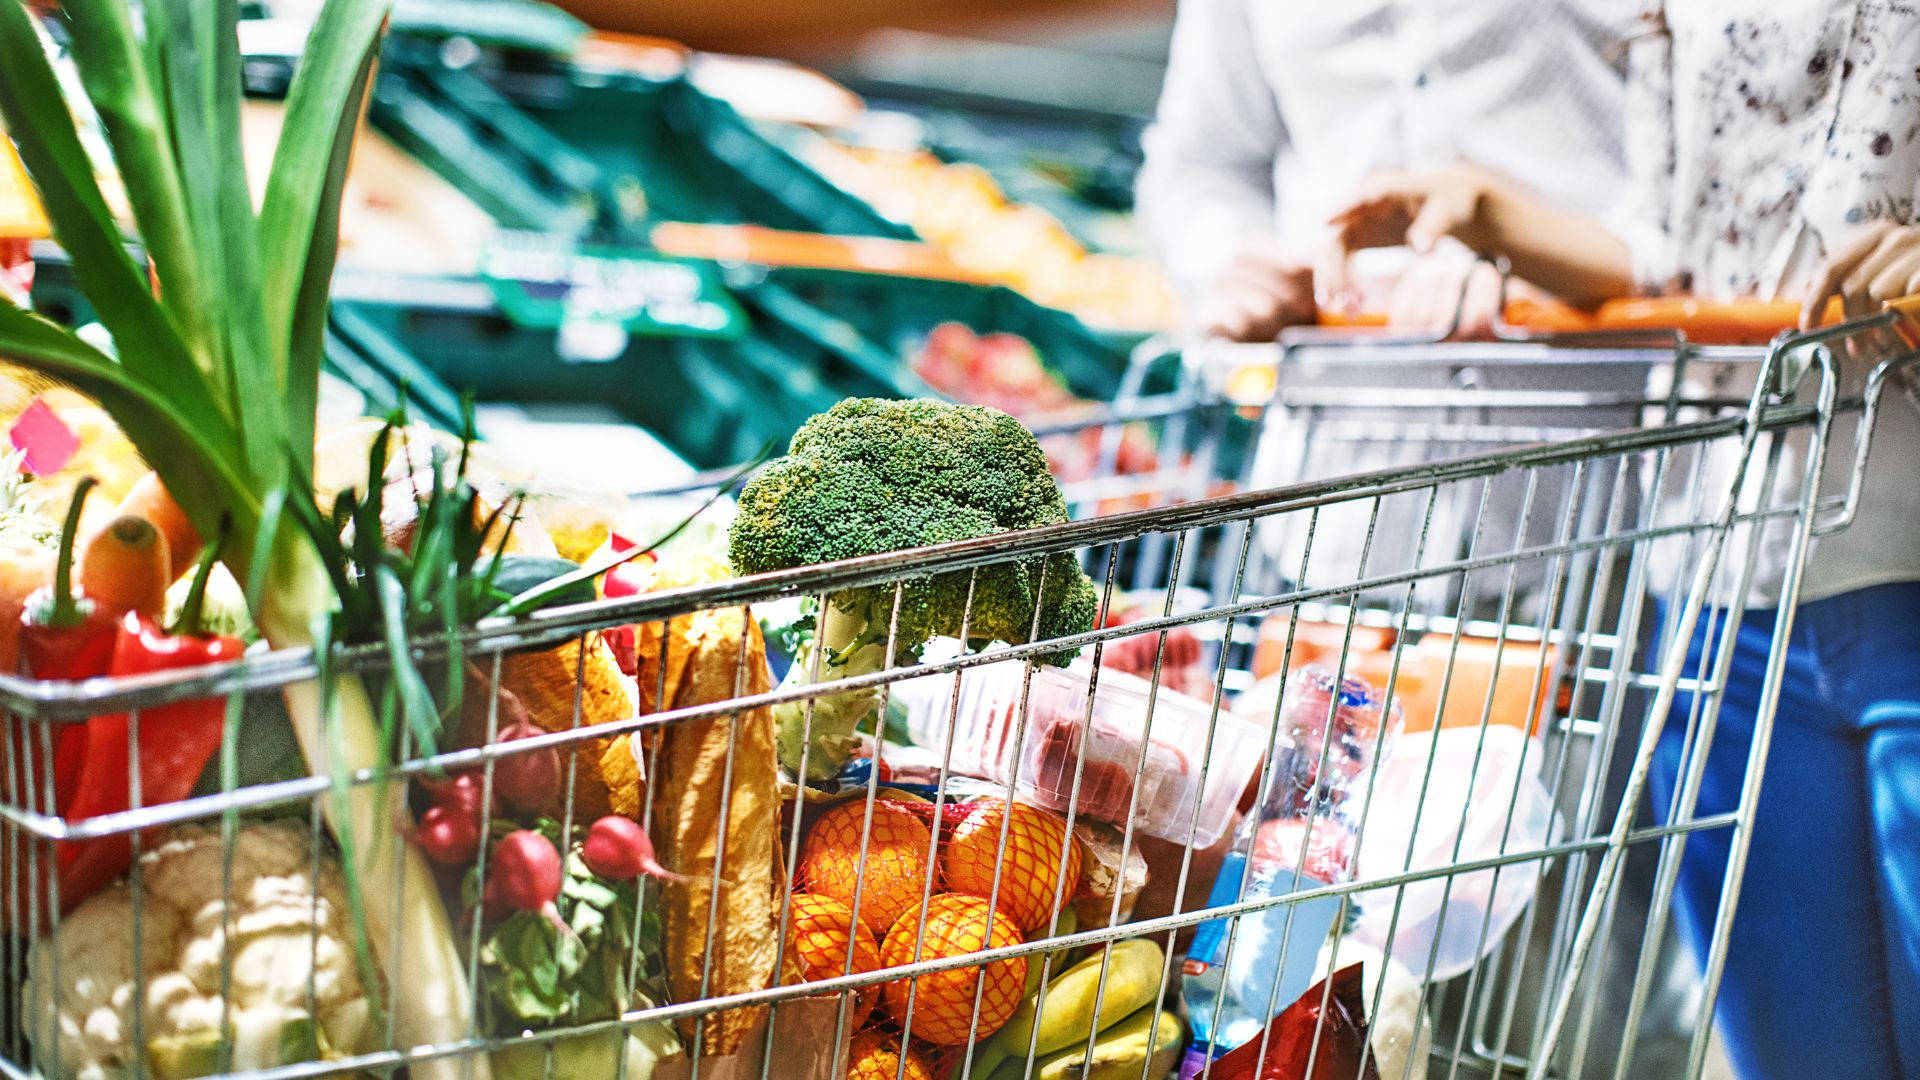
(176, 740)
(65, 635)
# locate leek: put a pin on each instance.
(215, 380)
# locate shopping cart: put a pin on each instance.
(1446, 607)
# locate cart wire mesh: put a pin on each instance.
(1528, 600)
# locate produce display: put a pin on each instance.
(959, 208)
(1006, 372)
(401, 755)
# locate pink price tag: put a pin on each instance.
(44, 438)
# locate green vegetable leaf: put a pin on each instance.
(299, 1041)
(115, 71)
(299, 220)
(195, 49)
(539, 974)
(524, 971)
(42, 128)
(416, 701)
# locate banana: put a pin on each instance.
(1066, 1017)
(1037, 967)
(1150, 1036)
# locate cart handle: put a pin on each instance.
(1703, 322)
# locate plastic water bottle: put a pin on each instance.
(1300, 838)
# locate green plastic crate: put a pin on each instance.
(715, 401)
(569, 157)
(605, 154)
(897, 313)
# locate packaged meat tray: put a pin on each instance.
(1186, 789)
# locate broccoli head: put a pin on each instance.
(871, 476)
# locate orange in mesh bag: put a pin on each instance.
(893, 876)
(876, 1055)
(943, 1012)
(1033, 883)
(821, 932)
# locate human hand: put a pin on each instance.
(1257, 296)
(1879, 262)
(1415, 209)
(1434, 289)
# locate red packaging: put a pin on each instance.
(1336, 1021)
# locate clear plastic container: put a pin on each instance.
(1060, 739)
(1302, 837)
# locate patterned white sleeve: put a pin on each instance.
(1640, 217)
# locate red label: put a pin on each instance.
(44, 438)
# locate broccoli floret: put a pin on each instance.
(871, 476)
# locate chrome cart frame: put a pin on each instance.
(1581, 654)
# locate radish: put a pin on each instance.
(525, 873)
(618, 849)
(449, 836)
(463, 793)
(527, 781)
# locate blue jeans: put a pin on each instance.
(1823, 970)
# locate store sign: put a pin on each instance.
(545, 282)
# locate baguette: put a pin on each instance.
(691, 795)
(661, 651)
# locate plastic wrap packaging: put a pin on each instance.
(1137, 753)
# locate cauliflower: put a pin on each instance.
(292, 992)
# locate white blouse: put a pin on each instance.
(1759, 132)
(1274, 111)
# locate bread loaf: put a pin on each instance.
(716, 813)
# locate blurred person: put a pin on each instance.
(1774, 153)
(1272, 113)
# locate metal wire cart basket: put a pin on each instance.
(1352, 771)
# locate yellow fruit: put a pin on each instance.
(821, 932)
(1146, 1043)
(1031, 872)
(1066, 1017)
(892, 879)
(875, 1055)
(943, 1010)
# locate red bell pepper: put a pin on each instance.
(176, 741)
(64, 635)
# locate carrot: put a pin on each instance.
(149, 499)
(125, 567)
